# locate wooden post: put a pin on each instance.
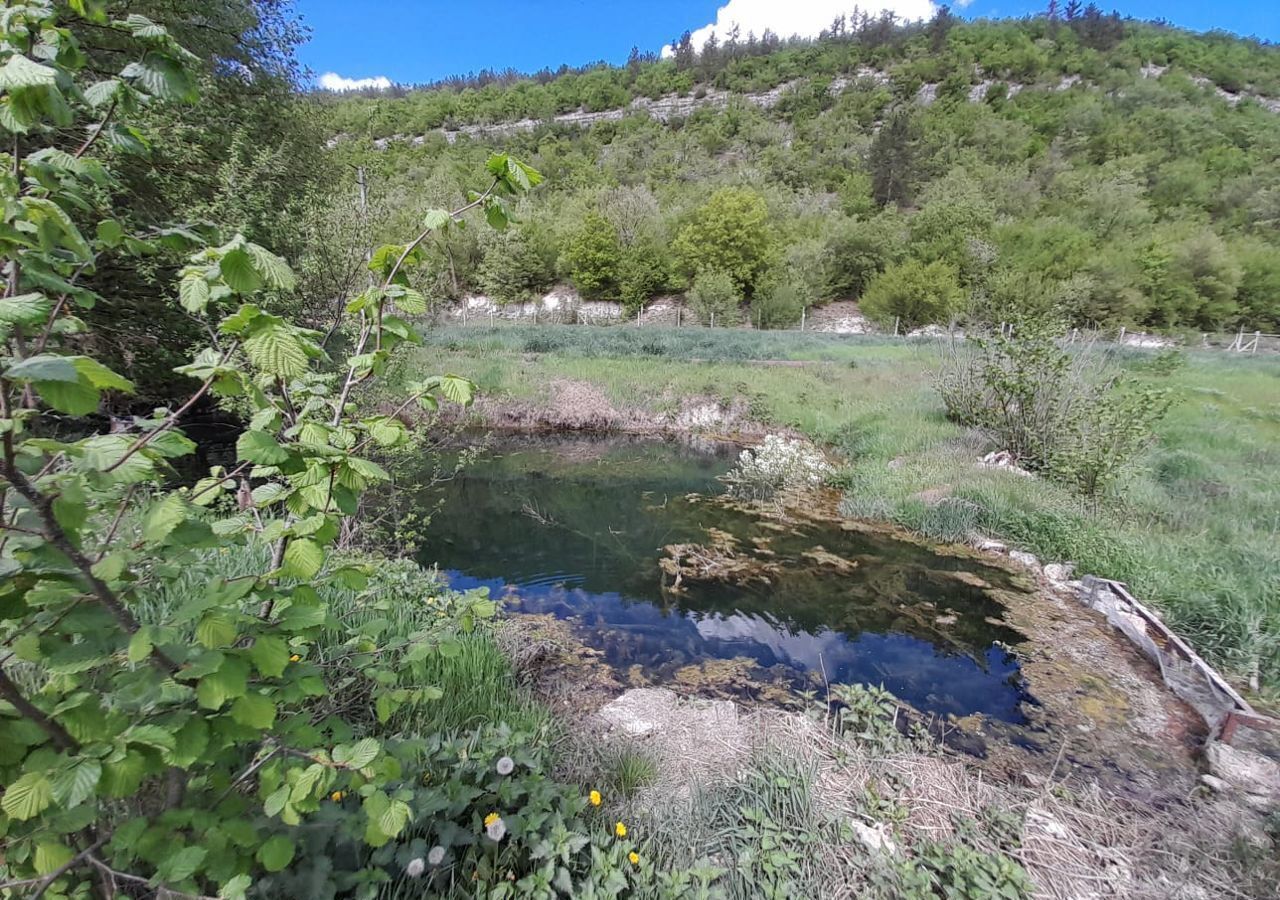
(640, 316)
(895, 325)
(1256, 335)
(679, 310)
(802, 312)
(1121, 339)
(713, 319)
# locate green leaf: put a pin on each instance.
(436, 219)
(394, 818)
(457, 389)
(303, 559)
(277, 350)
(110, 232)
(163, 517)
(75, 785)
(24, 309)
(50, 856)
(276, 853)
(254, 711)
(362, 753)
(239, 272)
(275, 272)
(98, 375)
(44, 367)
(270, 654)
(261, 448)
(411, 302)
(236, 888)
(140, 644)
(76, 399)
(27, 797)
(216, 629)
(102, 92)
(181, 865)
(20, 72)
(161, 76)
(193, 292)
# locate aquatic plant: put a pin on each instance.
(779, 463)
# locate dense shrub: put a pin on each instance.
(913, 294)
(730, 235)
(715, 298)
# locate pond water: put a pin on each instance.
(576, 528)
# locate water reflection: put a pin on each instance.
(574, 529)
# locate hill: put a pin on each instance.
(1116, 172)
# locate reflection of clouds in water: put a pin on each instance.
(802, 649)
(915, 670)
(924, 675)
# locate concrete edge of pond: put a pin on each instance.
(1242, 751)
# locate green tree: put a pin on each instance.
(715, 298)
(914, 294)
(176, 749)
(730, 235)
(517, 266)
(592, 258)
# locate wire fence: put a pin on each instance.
(669, 314)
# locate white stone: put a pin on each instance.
(875, 837)
(1058, 572)
(1025, 559)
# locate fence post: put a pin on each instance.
(802, 312)
(640, 316)
(895, 326)
(1120, 340)
(464, 314)
(1256, 335)
(713, 318)
(679, 310)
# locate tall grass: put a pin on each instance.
(402, 599)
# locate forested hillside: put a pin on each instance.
(1116, 172)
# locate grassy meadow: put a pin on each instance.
(1193, 527)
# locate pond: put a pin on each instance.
(575, 527)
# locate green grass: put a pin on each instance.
(476, 681)
(1194, 527)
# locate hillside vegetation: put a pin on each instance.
(1110, 171)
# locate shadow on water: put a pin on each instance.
(575, 528)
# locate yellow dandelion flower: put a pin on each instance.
(294, 658)
(595, 798)
(634, 857)
(336, 796)
(620, 830)
(491, 818)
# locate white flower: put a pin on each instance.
(506, 765)
(496, 830)
(778, 463)
(436, 855)
(415, 867)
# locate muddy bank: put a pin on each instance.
(569, 405)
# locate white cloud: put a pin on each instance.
(332, 81)
(803, 17)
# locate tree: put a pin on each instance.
(897, 158)
(715, 298)
(779, 302)
(914, 294)
(592, 258)
(856, 253)
(175, 747)
(730, 235)
(517, 266)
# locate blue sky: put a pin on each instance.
(409, 41)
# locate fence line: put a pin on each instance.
(676, 315)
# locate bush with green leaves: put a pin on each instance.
(912, 294)
(181, 751)
(1069, 414)
(728, 234)
(592, 258)
(715, 298)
